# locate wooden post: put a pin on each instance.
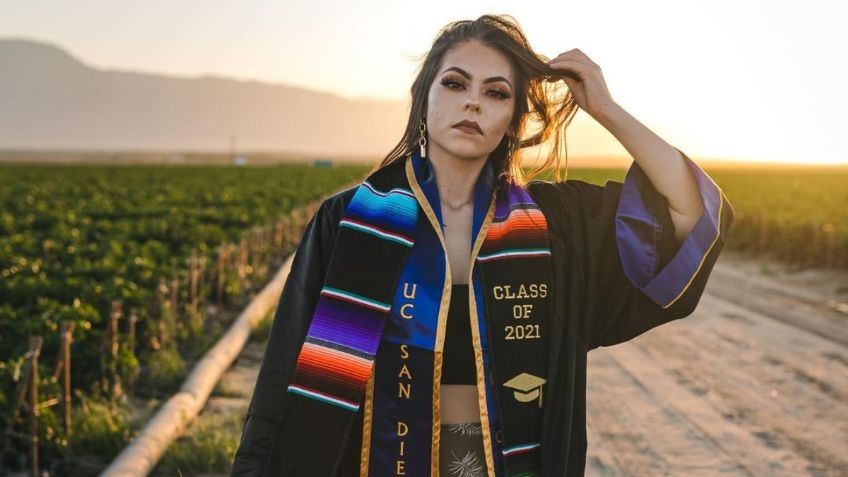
(232, 257)
(175, 296)
(112, 329)
(202, 281)
(193, 272)
(254, 250)
(35, 351)
(67, 331)
(158, 342)
(133, 320)
(242, 264)
(222, 275)
(260, 259)
(112, 335)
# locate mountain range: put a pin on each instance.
(51, 100)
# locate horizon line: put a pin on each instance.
(577, 160)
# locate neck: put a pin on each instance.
(455, 176)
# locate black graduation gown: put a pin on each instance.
(608, 287)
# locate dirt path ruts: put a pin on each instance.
(730, 390)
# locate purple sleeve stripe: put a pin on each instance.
(637, 230)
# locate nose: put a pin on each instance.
(472, 104)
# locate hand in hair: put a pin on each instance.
(585, 80)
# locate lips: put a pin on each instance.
(470, 127)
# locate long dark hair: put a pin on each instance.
(536, 97)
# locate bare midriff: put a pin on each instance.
(458, 402)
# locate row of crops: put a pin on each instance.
(796, 215)
(144, 264)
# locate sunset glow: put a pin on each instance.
(748, 81)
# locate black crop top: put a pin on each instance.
(458, 366)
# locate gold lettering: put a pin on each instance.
(403, 313)
(407, 293)
(520, 332)
(401, 446)
(532, 290)
(400, 470)
(404, 389)
(402, 428)
(522, 293)
(404, 370)
(403, 351)
(522, 310)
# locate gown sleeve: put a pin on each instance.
(288, 332)
(636, 273)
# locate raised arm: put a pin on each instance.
(644, 247)
(662, 163)
(632, 272)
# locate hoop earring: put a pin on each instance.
(422, 139)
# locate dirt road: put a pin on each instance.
(754, 383)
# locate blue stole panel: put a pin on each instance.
(398, 435)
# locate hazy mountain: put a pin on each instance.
(51, 100)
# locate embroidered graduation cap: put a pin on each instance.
(527, 387)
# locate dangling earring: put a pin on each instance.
(509, 147)
(422, 140)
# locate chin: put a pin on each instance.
(465, 150)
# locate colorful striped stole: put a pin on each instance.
(377, 234)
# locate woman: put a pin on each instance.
(437, 317)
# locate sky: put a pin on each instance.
(739, 80)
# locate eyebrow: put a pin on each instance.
(468, 76)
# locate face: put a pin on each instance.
(474, 82)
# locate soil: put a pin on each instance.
(753, 383)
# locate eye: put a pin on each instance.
(451, 83)
(448, 82)
(500, 94)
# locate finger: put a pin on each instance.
(582, 69)
(564, 54)
(581, 54)
(571, 83)
(574, 58)
(569, 52)
(574, 89)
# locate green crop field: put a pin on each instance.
(798, 215)
(73, 239)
